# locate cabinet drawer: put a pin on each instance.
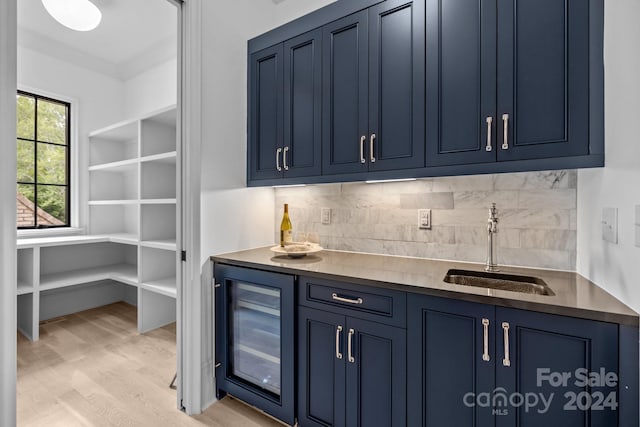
(377, 304)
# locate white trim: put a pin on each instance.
(74, 146)
(8, 277)
(192, 291)
(61, 231)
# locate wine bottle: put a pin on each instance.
(286, 230)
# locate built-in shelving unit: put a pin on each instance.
(133, 228)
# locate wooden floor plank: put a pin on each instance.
(93, 369)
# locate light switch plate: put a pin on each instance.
(610, 225)
(325, 216)
(424, 219)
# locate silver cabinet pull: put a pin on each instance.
(505, 122)
(363, 138)
(336, 297)
(373, 140)
(349, 346)
(489, 147)
(284, 158)
(505, 328)
(485, 334)
(338, 332)
(278, 151)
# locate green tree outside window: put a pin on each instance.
(42, 161)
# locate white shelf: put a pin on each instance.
(122, 131)
(24, 288)
(158, 201)
(169, 158)
(125, 238)
(124, 273)
(112, 202)
(167, 244)
(166, 286)
(60, 241)
(120, 166)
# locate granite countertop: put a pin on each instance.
(574, 295)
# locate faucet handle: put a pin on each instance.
(493, 211)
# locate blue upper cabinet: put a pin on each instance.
(285, 109)
(345, 88)
(373, 86)
(543, 79)
(461, 81)
(301, 151)
(514, 80)
(266, 110)
(370, 89)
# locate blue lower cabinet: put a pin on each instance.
(351, 372)
(558, 370)
(479, 365)
(448, 364)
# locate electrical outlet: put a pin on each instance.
(325, 216)
(424, 219)
(610, 225)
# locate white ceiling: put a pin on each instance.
(134, 35)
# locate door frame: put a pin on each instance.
(189, 335)
(8, 300)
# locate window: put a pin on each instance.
(43, 179)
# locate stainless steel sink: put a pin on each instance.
(500, 281)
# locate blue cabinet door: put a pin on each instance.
(461, 81)
(265, 112)
(543, 78)
(396, 85)
(301, 150)
(345, 94)
(321, 368)
(543, 349)
(449, 364)
(376, 374)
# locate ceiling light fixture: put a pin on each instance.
(78, 15)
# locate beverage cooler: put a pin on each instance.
(254, 339)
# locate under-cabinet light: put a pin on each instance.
(378, 181)
(289, 186)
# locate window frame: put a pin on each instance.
(71, 164)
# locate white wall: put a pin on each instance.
(151, 90)
(615, 267)
(233, 217)
(100, 100)
(7, 213)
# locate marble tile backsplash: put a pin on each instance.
(537, 217)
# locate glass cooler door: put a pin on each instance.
(254, 335)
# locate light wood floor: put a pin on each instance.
(94, 369)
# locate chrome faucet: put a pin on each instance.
(492, 228)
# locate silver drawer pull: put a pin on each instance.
(349, 346)
(347, 300)
(505, 328)
(363, 138)
(485, 332)
(505, 141)
(278, 151)
(371, 153)
(489, 147)
(284, 158)
(338, 332)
